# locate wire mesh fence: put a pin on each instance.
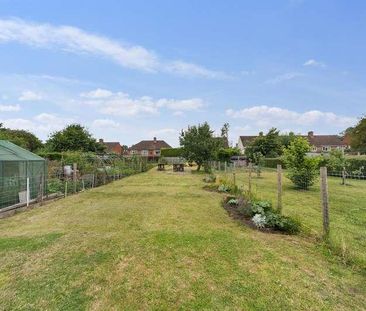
(61, 180)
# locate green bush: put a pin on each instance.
(171, 152)
(302, 170)
(272, 162)
(264, 216)
(210, 178)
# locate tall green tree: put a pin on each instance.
(358, 135)
(199, 145)
(74, 137)
(268, 145)
(302, 170)
(22, 138)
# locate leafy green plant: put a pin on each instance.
(302, 170)
(223, 188)
(259, 221)
(233, 201)
(209, 178)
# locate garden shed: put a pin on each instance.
(22, 175)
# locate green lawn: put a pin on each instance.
(157, 241)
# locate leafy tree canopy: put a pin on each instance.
(199, 145)
(358, 135)
(74, 137)
(22, 138)
(224, 154)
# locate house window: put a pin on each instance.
(326, 148)
(314, 148)
(157, 152)
(145, 153)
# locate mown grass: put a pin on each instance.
(158, 241)
(347, 211)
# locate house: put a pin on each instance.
(326, 143)
(112, 147)
(244, 141)
(148, 148)
(318, 143)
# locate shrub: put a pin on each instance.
(272, 162)
(233, 201)
(171, 152)
(282, 223)
(259, 221)
(302, 170)
(223, 188)
(210, 178)
(263, 215)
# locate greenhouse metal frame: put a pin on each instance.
(22, 175)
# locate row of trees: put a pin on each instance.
(74, 137)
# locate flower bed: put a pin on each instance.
(260, 215)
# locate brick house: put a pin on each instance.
(148, 148)
(326, 143)
(318, 143)
(112, 147)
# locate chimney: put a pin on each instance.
(154, 140)
(101, 141)
(311, 134)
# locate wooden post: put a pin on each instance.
(234, 179)
(74, 175)
(225, 166)
(279, 187)
(325, 200)
(250, 179)
(65, 188)
(343, 176)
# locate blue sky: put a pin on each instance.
(131, 70)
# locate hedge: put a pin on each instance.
(171, 152)
(272, 162)
(354, 164)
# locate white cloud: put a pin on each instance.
(265, 116)
(98, 93)
(181, 105)
(188, 69)
(284, 77)
(42, 124)
(314, 63)
(75, 40)
(105, 123)
(30, 96)
(9, 108)
(122, 104)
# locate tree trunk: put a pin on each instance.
(198, 167)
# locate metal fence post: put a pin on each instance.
(28, 192)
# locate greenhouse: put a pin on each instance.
(22, 175)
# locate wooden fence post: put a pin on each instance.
(279, 187)
(65, 188)
(74, 175)
(225, 166)
(250, 179)
(343, 176)
(234, 178)
(325, 200)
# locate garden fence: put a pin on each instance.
(18, 191)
